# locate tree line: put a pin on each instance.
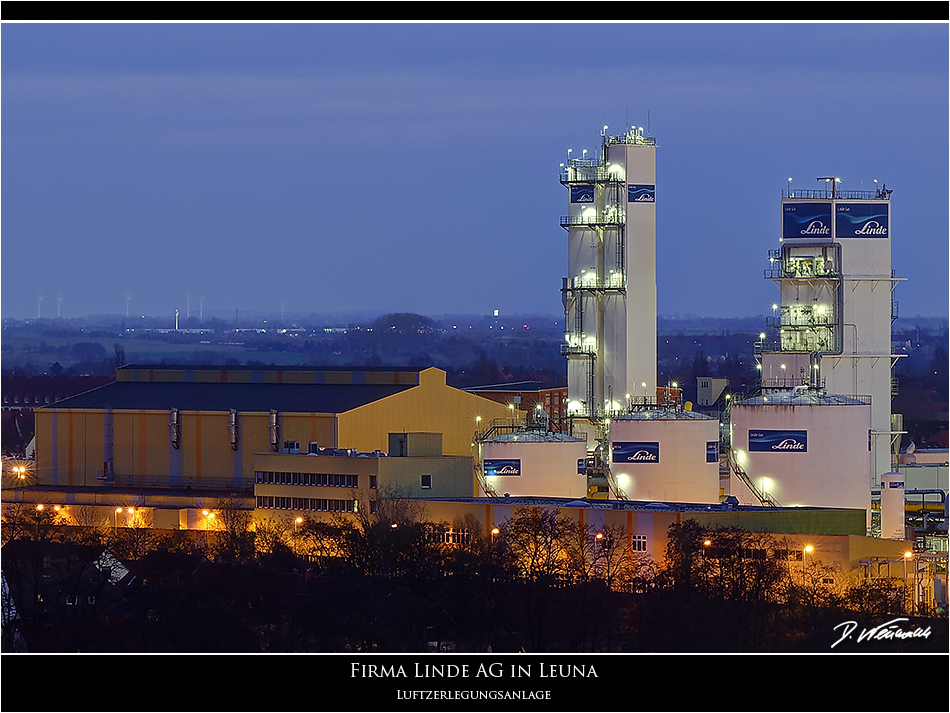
(396, 581)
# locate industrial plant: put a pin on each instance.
(811, 453)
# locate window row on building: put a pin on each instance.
(448, 535)
(268, 502)
(337, 480)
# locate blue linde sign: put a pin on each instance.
(806, 220)
(861, 220)
(636, 452)
(712, 451)
(582, 194)
(582, 466)
(641, 193)
(778, 441)
(502, 466)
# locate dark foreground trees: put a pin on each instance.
(396, 581)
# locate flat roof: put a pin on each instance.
(272, 367)
(121, 490)
(533, 437)
(647, 505)
(260, 398)
(659, 413)
(515, 386)
(805, 398)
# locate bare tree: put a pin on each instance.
(270, 536)
(90, 528)
(138, 536)
(321, 542)
(13, 522)
(536, 539)
(236, 540)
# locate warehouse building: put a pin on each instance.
(200, 427)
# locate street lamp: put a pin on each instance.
(907, 556)
(297, 521)
(808, 548)
(115, 521)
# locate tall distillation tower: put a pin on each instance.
(834, 320)
(609, 295)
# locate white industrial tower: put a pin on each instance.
(834, 320)
(609, 295)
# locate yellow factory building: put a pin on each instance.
(202, 427)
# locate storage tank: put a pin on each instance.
(892, 506)
(666, 454)
(529, 463)
(803, 448)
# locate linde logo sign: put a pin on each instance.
(582, 194)
(861, 220)
(641, 193)
(636, 452)
(872, 227)
(816, 227)
(502, 466)
(789, 444)
(806, 220)
(778, 441)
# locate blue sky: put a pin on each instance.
(413, 167)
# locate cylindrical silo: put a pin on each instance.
(803, 448)
(666, 455)
(535, 464)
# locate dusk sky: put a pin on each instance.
(414, 167)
